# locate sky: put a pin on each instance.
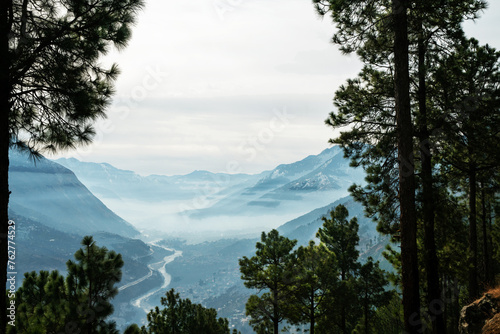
(235, 86)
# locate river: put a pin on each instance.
(160, 266)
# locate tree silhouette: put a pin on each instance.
(269, 270)
(50, 303)
(315, 280)
(340, 236)
(181, 316)
(52, 87)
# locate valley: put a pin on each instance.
(183, 232)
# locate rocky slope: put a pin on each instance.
(482, 316)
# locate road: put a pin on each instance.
(141, 302)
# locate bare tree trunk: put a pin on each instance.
(313, 318)
(366, 318)
(409, 259)
(486, 252)
(430, 257)
(473, 284)
(491, 278)
(275, 311)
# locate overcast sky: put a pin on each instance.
(228, 86)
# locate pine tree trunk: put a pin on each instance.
(342, 306)
(343, 321)
(491, 278)
(312, 312)
(430, 256)
(275, 310)
(486, 252)
(473, 285)
(409, 259)
(313, 320)
(4, 151)
(366, 317)
(446, 310)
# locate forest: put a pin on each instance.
(421, 118)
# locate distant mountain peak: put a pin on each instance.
(315, 172)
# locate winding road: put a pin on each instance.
(157, 266)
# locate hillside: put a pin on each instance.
(61, 209)
(52, 195)
(208, 272)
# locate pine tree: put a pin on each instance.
(388, 35)
(52, 87)
(91, 284)
(388, 319)
(340, 237)
(42, 303)
(269, 271)
(315, 279)
(132, 329)
(467, 90)
(50, 303)
(370, 286)
(358, 23)
(181, 316)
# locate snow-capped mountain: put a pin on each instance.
(216, 202)
(288, 173)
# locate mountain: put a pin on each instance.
(315, 172)
(305, 227)
(51, 194)
(108, 182)
(53, 210)
(203, 205)
(227, 211)
(40, 247)
(291, 189)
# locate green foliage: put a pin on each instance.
(42, 303)
(322, 285)
(270, 270)
(49, 303)
(52, 87)
(180, 316)
(370, 288)
(387, 319)
(466, 89)
(91, 282)
(132, 329)
(340, 237)
(454, 104)
(315, 279)
(261, 309)
(57, 86)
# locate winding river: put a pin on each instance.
(141, 302)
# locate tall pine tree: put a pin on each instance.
(269, 270)
(388, 36)
(49, 303)
(340, 236)
(52, 87)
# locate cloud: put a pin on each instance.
(208, 133)
(202, 81)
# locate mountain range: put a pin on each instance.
(207, 205)
(212, 218)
